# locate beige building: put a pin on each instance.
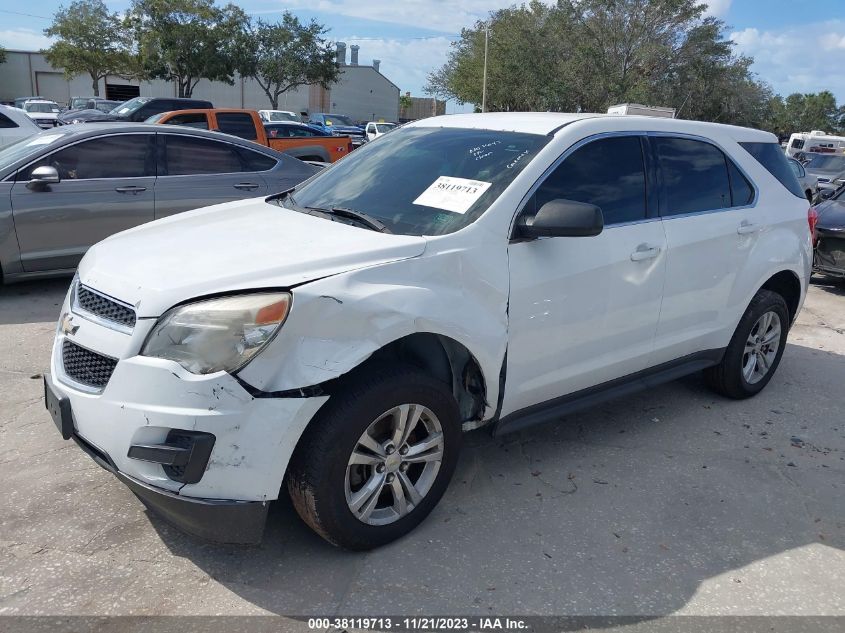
(421, 108)
(362, 92)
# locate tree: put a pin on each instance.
(90, 40)
(406, 102)
(803, 113)
(284, 56)
(2, 55)
(585, 55)
(187, 40)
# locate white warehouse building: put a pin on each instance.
(361, 92)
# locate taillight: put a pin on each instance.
(812, 220)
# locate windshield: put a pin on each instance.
(125, 109)
(338, 119)
(106, 106)
(827, 162)
(423, 181)
(384, 127)
(23, 148)
(277, 115)
(41, 107)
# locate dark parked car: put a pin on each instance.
(292, 129)
(63, 190)
(829, 257)
(134, 111)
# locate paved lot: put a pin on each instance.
(671, 501)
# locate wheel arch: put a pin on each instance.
(787, 285)
(444, 359)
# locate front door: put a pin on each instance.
(106, 186)
(584, 310)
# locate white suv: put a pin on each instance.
(492, 270)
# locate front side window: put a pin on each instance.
(338, 119)
(695, 176)
(608, 173)
(421, 180)
(238, 124)
(119, 156)
(189, 156)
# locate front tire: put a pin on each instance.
(377, 457)
(755, 350)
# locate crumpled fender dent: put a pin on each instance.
(337, 322)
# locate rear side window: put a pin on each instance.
(189, 156)
(255, 161)
(695, 176)
(608, 173)
(6, 122)
(742, 193)
(238, 124)
(770, 156)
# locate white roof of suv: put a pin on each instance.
(548, 122)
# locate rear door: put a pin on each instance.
(711, 221)
(106, 186)
(197, 172)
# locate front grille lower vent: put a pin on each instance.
(105, 308)
(86, 367)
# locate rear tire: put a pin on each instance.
(359, 476)
(755, 350)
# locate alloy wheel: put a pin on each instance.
(394, 464)
(761, 348)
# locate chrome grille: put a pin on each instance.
(86, 367)
(105, 308)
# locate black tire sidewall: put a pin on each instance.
(764, 302)
(346, 419)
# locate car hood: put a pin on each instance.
(248, 244)
(87, 115)
(831, 214)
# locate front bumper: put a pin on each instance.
(219, 521)
(128, 426)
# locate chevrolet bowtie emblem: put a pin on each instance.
(67, 326)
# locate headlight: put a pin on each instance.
(219, 334)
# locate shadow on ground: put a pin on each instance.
(32, 301)
(626, 509)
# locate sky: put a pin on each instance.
(797, 45)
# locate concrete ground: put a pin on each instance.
(673, 501)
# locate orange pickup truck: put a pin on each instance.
(247, 124)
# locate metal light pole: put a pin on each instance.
(484, 79)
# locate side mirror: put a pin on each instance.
(43, 176)
(563, 218)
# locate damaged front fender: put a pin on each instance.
(338, 322)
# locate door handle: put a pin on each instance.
(747, 228)
(645, 251)
(130, 189)
(248, 186)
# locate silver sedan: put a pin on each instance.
(63, 190)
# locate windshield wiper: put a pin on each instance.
(359, 216)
